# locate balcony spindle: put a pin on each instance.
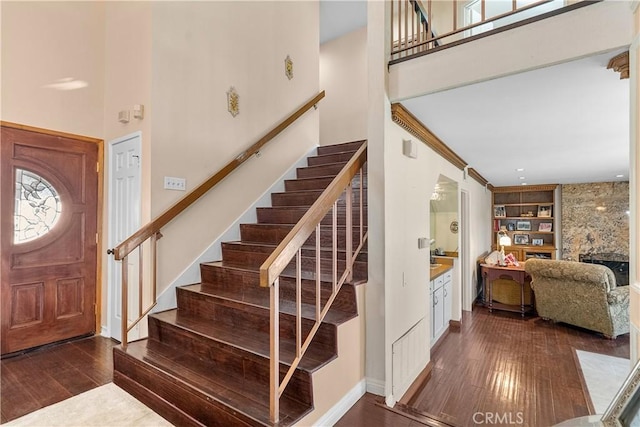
(349, 230)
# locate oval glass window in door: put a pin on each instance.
(37, 209)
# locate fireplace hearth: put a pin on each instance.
(618, 263)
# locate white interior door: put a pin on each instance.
(124, 220)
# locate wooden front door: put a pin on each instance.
(48, 203)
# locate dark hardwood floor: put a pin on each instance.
(498, 363)
(501, 364)
(53, 373)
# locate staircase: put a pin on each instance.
(207, 361)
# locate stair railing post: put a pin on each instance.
(318, 273)
(140, 279)
(334, 252)
(349, 231)
(361, 206)
(274, 344)
(299, 303)
(125, 301)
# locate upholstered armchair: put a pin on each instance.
(580, 294)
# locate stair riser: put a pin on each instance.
(138, 379)
(317, 183)
(255, 255)
(330, 149)
(243, 365)
(317, 171)
(252, 260)
(290, 215)
(307, 198)
(330, 158)
(247, 285)
(239, 315)
(274, 234)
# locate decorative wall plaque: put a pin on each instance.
(233, 101)
(288, 67)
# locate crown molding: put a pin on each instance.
(411, 124)
(620, 64)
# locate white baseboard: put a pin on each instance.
(375, 387)
(104, 331)
(167, 299)
(338, 410)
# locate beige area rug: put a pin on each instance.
(107, 405)
(603, 376)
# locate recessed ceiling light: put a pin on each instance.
(619, 176)
(520, 170)
(522, 177)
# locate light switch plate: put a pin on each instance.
(173, 183)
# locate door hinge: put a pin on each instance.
(97, 167)
(97, 238)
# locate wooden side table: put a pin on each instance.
(517, 274)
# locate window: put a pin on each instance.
(38, 207)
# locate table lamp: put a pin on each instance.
(503, 240)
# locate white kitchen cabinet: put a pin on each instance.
(440, 292)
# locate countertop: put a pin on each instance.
(439, 271)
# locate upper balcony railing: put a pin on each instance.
(419, 27)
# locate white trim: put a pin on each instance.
(191, 274)
(104, 331)
(375, 386)
(338, 410)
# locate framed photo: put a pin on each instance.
(523, 225)
(545, 226)
(624, 410)
(499, 211)
(545, 211)
(537, 242)
(521, 239)
(511, 226)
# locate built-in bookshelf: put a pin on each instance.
(526, 214)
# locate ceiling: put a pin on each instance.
(567, 123)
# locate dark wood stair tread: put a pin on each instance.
(251, 398)
(334, 316)
(246, 339)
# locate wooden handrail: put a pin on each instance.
(287, 249)
(163, 219)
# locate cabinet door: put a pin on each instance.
(437, 313)
(447, 289)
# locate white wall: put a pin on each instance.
(200, 50)
(343, 75)
(42, 43)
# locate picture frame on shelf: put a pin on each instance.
(499, 211)
(523, 225)
(511, 226)
(545, 211)
(545, 226)
(537, 242)
(520, 239)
